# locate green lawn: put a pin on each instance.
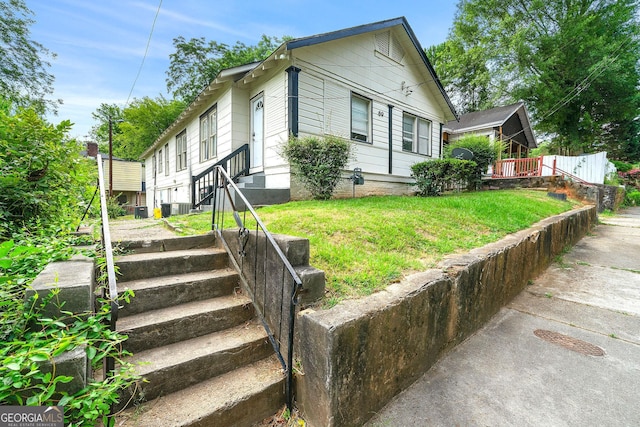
(367, 243)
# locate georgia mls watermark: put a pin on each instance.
(31, 416)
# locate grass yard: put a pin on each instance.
(367, 243)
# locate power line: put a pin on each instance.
(145, 54)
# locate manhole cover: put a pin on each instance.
(570, 343)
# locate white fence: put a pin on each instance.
(592, 168)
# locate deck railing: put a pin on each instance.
(266, 273)
(516, 168)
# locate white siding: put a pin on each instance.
(311, 107)
(353, 66)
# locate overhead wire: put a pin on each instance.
(144, 57)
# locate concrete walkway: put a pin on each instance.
(565, 352)
(139, 229)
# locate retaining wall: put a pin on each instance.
(355, 357)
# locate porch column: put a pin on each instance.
(293, 88)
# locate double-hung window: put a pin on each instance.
(166, 159)
(159, 161)
(360, 118)
(181, 151)
(416, 134)
(208, 134)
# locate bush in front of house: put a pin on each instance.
(485, 152)
(435, 176)
(318, 162)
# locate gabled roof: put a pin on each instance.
(250, 71)
(493, 118)
(362, 29)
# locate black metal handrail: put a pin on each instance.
(267, 274)
(236, 164)
(110, 292)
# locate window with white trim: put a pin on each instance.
(208, 134)
(360, 118)
(159, 161)
(166, 159)
(181, 151)
(416, 134)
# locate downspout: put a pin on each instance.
(390, 139)
(293, 107)
(440, 155)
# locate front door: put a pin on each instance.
(257, 133)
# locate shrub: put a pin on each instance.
(622, 166)
(318, 162)
(42, 175)
(485, 153)
(29, 339)
(632, 198)
(434, 176)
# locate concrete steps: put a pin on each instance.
(238, 398)
(194, 338)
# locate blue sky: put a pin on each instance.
(101, 44)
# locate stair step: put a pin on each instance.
(166, 291)
(164, 245)
(165, 326)
(238, 398)
(176, 366)
(155, 264)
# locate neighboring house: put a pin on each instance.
(371, 84)
(509, 124)
(128, 179)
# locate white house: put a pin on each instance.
(372, 84)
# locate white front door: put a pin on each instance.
(257, 132)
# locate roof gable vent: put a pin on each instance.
(389, 46)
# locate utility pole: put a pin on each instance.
(110, 159)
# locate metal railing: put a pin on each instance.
(110, 292)
(202, 185)
(266, 273)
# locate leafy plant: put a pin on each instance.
(318, 162)
(43, 178)
(632, 198)
(114, 209)
(435, 176)
(622, 166)
(31, 341)
(485, 152)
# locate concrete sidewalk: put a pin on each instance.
(565, 352)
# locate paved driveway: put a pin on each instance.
(565, 352)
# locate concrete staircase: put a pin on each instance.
(205, 358)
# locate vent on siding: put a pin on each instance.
(382, 42)
(389, 46)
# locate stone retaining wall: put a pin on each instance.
(355, 357)
(603, 196)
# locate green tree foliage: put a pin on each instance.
(43, 178)
(196, 62)
(574, 63)
(136, 127)
(24, 75)
(318, 162)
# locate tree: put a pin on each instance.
(24, 76)
(42, 176)
(136, 127)
(196, 62)
(574, 63)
